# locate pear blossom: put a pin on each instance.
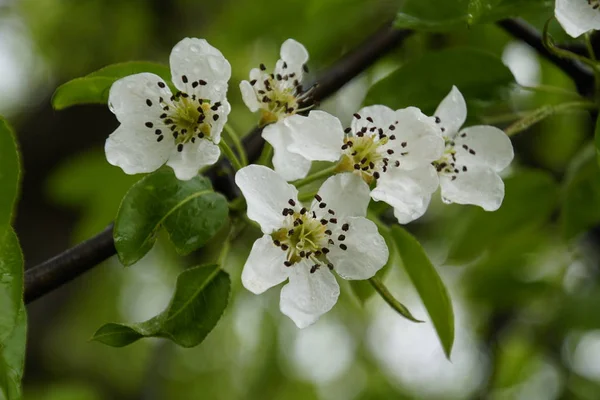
(473, 156)
(578, 16)
(305, 244)
(393, 149)
(182, 129)
(279, 95)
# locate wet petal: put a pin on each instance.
(295, 55)
(264, 267)
(267, 194)
(479, 185)
(308, 296)
(381, 116)
(409, 192)
(366, 251)
(197, 67)
(136, 150)
(577, 16)
(290, 166)
(317, 137)
(484, 145)
(194, 156)
(452, 112)
(346, 194)
(249, 96)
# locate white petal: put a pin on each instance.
(417, 142)
(136, 150)
(317, 137)
(249, 96)
(197, 60)
(264, 267)
(216, 127)
(194, 156)
(576, 16)
(129, 97)
(480, 186)
(382, 117)
(294, 54)
(409, 192)
(346, 194)
(267, 194)
(308, 296)
(366, 251)
(492, 147)
(290, 166)
(452, 112)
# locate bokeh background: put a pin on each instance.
(525, 289)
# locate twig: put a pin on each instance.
(51, 274)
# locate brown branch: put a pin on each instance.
(53, 273)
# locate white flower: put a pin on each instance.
(578, 16)
(393, 148)
(278, 96)
(468, 170)
(181, 129)
(305, 244)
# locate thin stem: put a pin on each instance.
(237, 204)
(315, 177)
(551, 90)
(265, 155)
(235, 162)
(590, 49)
(392, 302)
(308, 196)
(237, 143)
(224, 251)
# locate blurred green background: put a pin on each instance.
(525, 283)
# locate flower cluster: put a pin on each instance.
(399, 157)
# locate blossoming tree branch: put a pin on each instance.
(321, 199)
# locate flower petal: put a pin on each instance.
(346, 194)
(264, 267)
(576, 17)
(480, 186)
(452, 112)
(135, 98)
(216, 127)
(382, 117)
(266, 193)
(366, 251)
(295, 56)
(484, 145)
(409, 192)
(249, 96)
(317, 137)
(290, 166)
(136, 150)
(417, 140)
(194, 60)
(308, 296)
(194, 156)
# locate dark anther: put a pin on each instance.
(149, 124)
(390, 151)
(322, 205)
(323, 221)
(392, 127)
(276, 242)
(472, 151)
(157, 132)
(202, 82)
(330, 241)
(175, 134)
(393, 137)
(180, 147)
(333, 220)
(253, 82)
(328, 232)
(262, 67)
(403, 144)
(318, 198)
(290, 232)
(285, 246)
(376, 175)
(303, 211)
(149, 102)
(437, 120)
(168, 121)
(345, 227)
(161, 85)
(341, 237)
(314, 268)
(464, 168)
(215, 117)
(347, 130)
(291, 202)
(194, 84)
(266, 99)
(343, 246)
(278, 76)
(370, 119)
(330, 266)
(305, 68)
(356, 166)
(325, 250)
(201, 135)
(357, 115)
(184, 79)
(397, 163)
(463, 135)
(161, 137)
(287, 263)
(330, 211)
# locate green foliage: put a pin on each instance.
(9, 173)
(95, 87)
(435, 15)
(12, 358)
(580, 209)
(190, 211)
(530, 198)
(429, 285)
(424, 82)
(201, 296)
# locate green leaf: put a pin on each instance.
(190, 211)
(424, 82)
(435, 15)
(12, 358)
(9, 173)
(597, 140)
(429, 285)
(391, 300)
(11, 281)
(580, 209)
(531, 196)
(94, 88)
(201, 296)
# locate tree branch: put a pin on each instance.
(53, 273)
(581, 75)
